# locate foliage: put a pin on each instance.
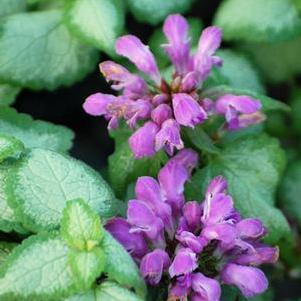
(54, 245)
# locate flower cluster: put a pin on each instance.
(196, 246)
(166, 106)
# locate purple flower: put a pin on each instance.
(184, 263)
(187, 111)
(205, 288)
(251, 281)
(250, 228)
(172, 178)
(258, 256)
(192, 213)
(237, 108)
(138, 53)
(169, 137)
(132, 85)
(181, 289)
(186, 158)
(143, 140)
(149, 191)
(189, 240)
(134, 243)
(196, 246)
(176, 31)
(161, 113)
(204, 59)
(143, 219)
(153, 264)
(169, 104)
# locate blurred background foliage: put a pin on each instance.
(49, 52)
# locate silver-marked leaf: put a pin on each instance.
(277, 62)
(8, 220)
(35, 133)
(5, 249)
(155, 11)
(107, 291)
(8, 94)
(9, 147)
(239, 72)
(80, 226)
(257, 20)
(86, 266)
(37, 270)
(37, 51)
(43, 181)
(99, 22)
(9, 7)
(120, 265)
(290, 191)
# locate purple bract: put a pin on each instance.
(197, 246)
(166, 106)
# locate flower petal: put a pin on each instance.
(260, 256)
(250, 228)
(251, 281)
(175, 29)
(184, 263)
(148, 190)
(153, 264)
(161, 113)
(138, 53)
(172, 178)
(134, 243)
(142, 142)
(192, 213)
(205, 288)
(187, 158)
(96, 104)
(187, 111)
(210, 40)
(143, 219)
(169, 137)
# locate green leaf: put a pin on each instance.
(124, 168)
(5, 249)
(98, 22)
(252, 167)
(158, 38)
(8, 220)
(290, 191)
(277, 62)
(239, 72)
(9, 7)
(199, 138)
(120, 265)
(296, 110)
(42, 182)
(37, 270)
(86, 267)
(257, 20)
(80, 226)
(10, 147)
(35, 133)
(8, 94)
(268, 103)
(107, 291)
(155, 11)
(42, 53)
